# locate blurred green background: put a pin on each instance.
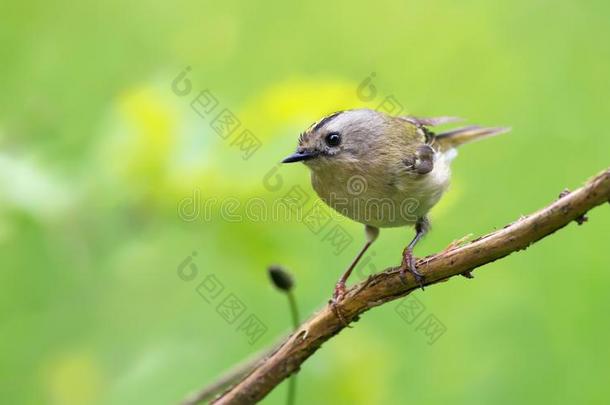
(97, 153)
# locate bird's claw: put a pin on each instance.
(334, 302)
(408, 265)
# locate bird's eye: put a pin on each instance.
(333, 139)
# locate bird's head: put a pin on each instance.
(340, 138)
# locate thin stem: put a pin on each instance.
(294, 310)
(294, 313)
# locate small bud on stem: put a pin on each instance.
(280, 278)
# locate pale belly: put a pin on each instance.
(383, 201)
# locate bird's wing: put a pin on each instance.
(420, 162)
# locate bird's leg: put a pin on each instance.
(408, 261)
(371, 234)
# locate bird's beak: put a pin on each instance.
(299, 156)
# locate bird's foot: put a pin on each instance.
(408, 265)
(334, 302)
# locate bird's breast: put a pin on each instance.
(382, 196)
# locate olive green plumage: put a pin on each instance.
(385, 171)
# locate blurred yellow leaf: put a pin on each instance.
(73, 378)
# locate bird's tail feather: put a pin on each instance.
(460, 136)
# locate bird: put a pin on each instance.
(382, 171)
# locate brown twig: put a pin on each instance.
(387, 286)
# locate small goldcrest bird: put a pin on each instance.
(382, 171)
